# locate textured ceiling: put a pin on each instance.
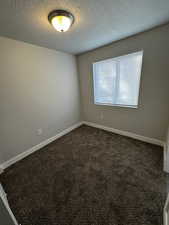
(97, 22)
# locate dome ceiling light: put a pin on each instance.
(61, 20)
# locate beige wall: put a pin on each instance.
(38, 89)
(152, 116)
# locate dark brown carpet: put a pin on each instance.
(88, 177)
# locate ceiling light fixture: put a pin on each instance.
(61, 20)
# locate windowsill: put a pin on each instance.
(116, 105)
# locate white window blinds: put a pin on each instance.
(117, 80)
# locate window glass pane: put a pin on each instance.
(105, 81)
(117, 80)
(129, 78)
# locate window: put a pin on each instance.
(117, 80)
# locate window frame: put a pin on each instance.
(117, 59)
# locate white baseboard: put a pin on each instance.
(15, 159)
(166, 212)
(166, 158)
(126, 133)
(1, 170)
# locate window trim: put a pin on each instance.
(117, 105)
(114, 59)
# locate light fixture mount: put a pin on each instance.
(61, 19)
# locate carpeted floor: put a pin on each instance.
(88, 177)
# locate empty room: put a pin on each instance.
(84, 112)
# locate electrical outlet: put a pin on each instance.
(39, 131)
